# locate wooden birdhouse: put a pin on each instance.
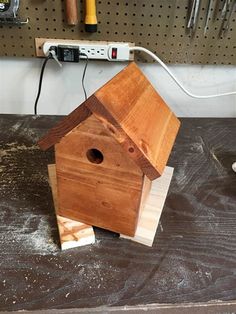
(108, 151)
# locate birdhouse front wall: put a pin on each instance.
(98, 183)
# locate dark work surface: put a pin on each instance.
(193, 258)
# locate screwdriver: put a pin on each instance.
(210, 11)
(90, 16)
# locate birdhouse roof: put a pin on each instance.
(134, 113)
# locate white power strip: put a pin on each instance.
(99, 50)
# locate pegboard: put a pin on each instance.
(159, 25)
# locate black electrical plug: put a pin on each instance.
(53, 50)
(68, 53)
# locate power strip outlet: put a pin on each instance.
(98, 50)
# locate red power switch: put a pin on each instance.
(114, 53)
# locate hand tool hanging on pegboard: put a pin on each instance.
(90, 16)
(194, 8)
(8, 12)
(229, 7)
(209, 15)
(72, 12)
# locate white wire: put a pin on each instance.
(155, 57)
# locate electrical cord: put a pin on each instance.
(83, 76)
(52, 55)
(40, 82)
(156, 58)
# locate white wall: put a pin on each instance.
(62, 90)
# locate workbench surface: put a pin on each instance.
(193, 258)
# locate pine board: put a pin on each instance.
(151, 212)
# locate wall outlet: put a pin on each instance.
(98, 50)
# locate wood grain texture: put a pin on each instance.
(115, 130)
(72, 233)
(151, 210)
(142, 114)
(147, 185)
(193, 257)
(105, 195)
(71, 12)
(64, 126)
(152, 203)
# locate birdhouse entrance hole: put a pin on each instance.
(95, 156)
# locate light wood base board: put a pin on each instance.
(72, 233)
(151, 213)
